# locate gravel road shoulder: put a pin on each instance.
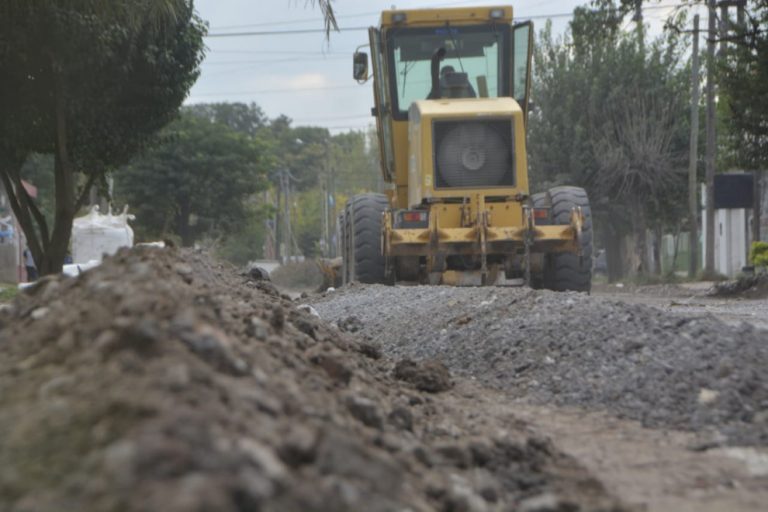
(578, 369)
(667, 370)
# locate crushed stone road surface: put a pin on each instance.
(649, 390)
(690, 372)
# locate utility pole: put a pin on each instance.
(638, 19)
(279, 218)
(709, 263)
(326, 189)
(693, 207)
(724, 22)
(286, 176)
(332, 207)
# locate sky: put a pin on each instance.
(305, 76)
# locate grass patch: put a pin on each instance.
(8, 292)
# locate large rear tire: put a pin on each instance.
(364, 261)
(567, 271)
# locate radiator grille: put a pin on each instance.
(473, 154)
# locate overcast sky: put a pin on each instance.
(304, 76)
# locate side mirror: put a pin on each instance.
(360, 66)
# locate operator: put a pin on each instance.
(445, 72)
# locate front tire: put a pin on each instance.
(567, 271)
(363, 259)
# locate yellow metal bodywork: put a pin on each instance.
(421, 165)
(456, 16)
(399, 129)
(476, 226)
(475, 222)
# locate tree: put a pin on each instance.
(609, 106)
(196, 183)
(246, 119)
(89, 82)
(744, 79)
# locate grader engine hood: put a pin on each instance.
(459, 147)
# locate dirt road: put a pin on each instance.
(691, 299)
(163, 380)
(166, 381)
(667, 405)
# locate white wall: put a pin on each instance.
(732, 239)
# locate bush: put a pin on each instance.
(758, 254)
(8, 292)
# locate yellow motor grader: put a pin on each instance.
(451, 90)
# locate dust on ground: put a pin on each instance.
(164, 381)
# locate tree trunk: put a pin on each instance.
(640, 229)
(614, 257)
(23, 207)
(632, 255)
(658, 234)
(182, 222)
(676, 250)
(65, 200)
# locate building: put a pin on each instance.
(12, 241)
(734, 225)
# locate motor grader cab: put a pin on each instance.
(451, 90)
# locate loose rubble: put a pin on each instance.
(161, 380)
(747, 287)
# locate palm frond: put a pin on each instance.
(328, 15)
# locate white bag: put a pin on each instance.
(95, 235)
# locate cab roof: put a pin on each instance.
(459, 15)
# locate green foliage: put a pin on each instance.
(611, 117)
(89, 82)
(743, 77)
(758, 254)
(308, 221)
(8, 293)
(196, 182)
(247, 119)
(246, 243)
(342, 164)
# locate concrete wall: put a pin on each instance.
(9, 245)
(733, 233)
(9, 270)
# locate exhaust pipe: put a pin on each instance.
(437, 56)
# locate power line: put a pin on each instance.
(357, 29)
(336, 118)
(283, 32)
(284, 90)
(340, 17)
(273, 61)
(280, 52)
(292, 22)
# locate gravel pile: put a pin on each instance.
(640, 362)
(161, 381)
(745, 287)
